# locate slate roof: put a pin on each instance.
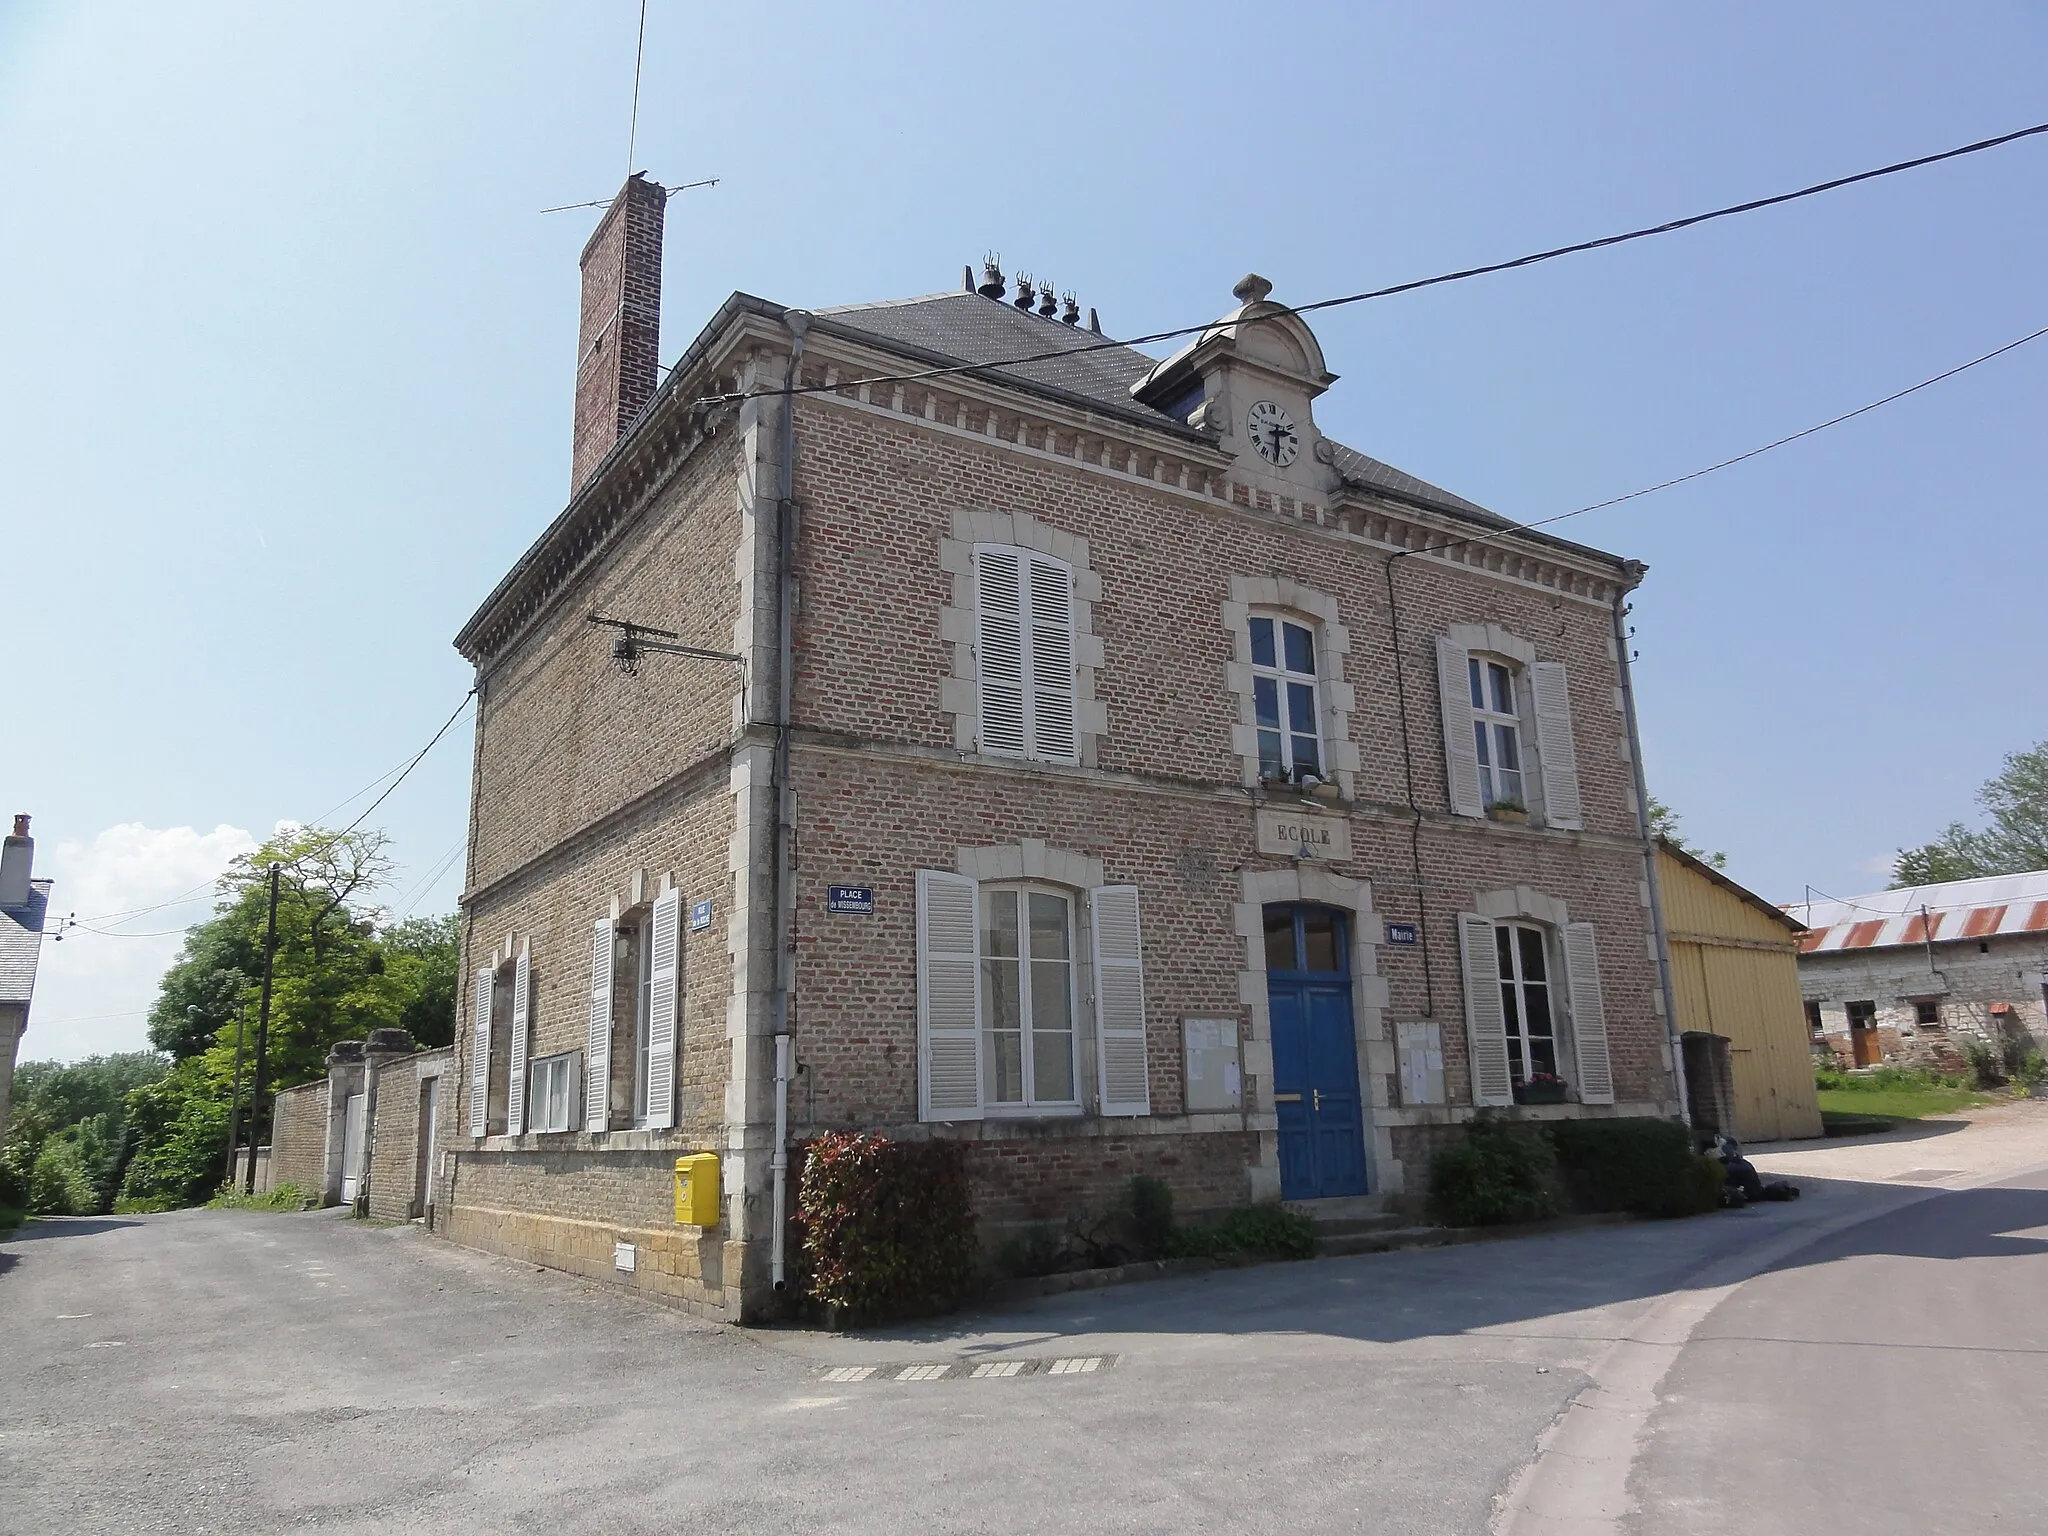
(1984, 908)
(967, 328)
(21, 942)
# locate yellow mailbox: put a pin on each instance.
(697, 1190)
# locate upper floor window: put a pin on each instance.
(1024, 629)
(1496, 731)
(1508, 748)
(635, 1007)
(1284, 702)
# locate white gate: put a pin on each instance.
(352, 1147)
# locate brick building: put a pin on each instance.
(1082, 757)
(24, 903)
(1910, 975)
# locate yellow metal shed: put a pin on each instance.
(1735, 971)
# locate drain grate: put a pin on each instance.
(968, 1370)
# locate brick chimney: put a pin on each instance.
(17, 861)
(617, 346)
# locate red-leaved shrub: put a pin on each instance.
(888, 1226)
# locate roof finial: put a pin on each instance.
(1072, 312)
(992, 284)
(1252, 289)
(1094, 324)
(967, 278)
(1048, 306)
(1025, 296)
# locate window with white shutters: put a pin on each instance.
(663, 996)
(1589, 1014)
(1024, 655)
(1556, 757)
(1486, 1039)
(1285, 708)
(551, 1093)
(480, 1055)
(948, 997)
(1119, 1001)
(598, 1041)
(1461, 758)
(522, 1020)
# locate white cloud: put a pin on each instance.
(92, 989)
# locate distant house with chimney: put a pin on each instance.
(931, 717)
(23, 902)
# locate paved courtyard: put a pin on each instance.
(248, 1371)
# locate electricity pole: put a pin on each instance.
(262, 1033)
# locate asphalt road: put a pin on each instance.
(247, 1371)
(1891, 1378)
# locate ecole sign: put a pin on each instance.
(1297, 834)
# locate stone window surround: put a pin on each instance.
(1526, 904)
(1259, 889)
(960, 694)
(1335, 698)
(1492, 640)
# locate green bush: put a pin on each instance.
(888, 1226)
(138, 1205)
(1640, 1165)
(1500, 1173)
(2032, 1069)
(60, 1184)
(1270, 1231)
(1149, 1205)
(27, 1130)
(229, 1197)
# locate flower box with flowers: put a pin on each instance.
(1542, 1088)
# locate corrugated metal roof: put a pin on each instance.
(21, 941)
(1955, 909)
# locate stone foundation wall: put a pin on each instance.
(679, 1266)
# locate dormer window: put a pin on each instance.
(1284, 703)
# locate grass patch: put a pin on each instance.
(285, 1197)
(1899, 1103)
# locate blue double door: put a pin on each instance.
(1315, 1053)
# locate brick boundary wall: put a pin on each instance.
(298, 1139)
(394, 1145)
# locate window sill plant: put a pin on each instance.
(1542, 1088)
(1511, 811)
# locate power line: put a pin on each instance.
(86, 923)
(1577, 247)
(1665, 485)
(606, 202)
(639, 49)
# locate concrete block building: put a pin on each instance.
(1908, 975)
(932, 717)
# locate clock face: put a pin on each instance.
(1272, 431)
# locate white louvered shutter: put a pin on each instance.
(948, 997)
(1556, 757)
(664, 994)
(1050, 661)
(1461, 753)
(1119, 1001)
(999, 650)
(480, 1057)
(1486, 1020)
(522, 1016)
(1589, 1014)
(597, 1048)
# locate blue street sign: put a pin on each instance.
(850, 898)
(1401, 933)
(700, 916)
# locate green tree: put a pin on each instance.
(335, 977)
(1664, 824)
(2015, 840)
(422, 956)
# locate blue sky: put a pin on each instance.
(286, 348)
